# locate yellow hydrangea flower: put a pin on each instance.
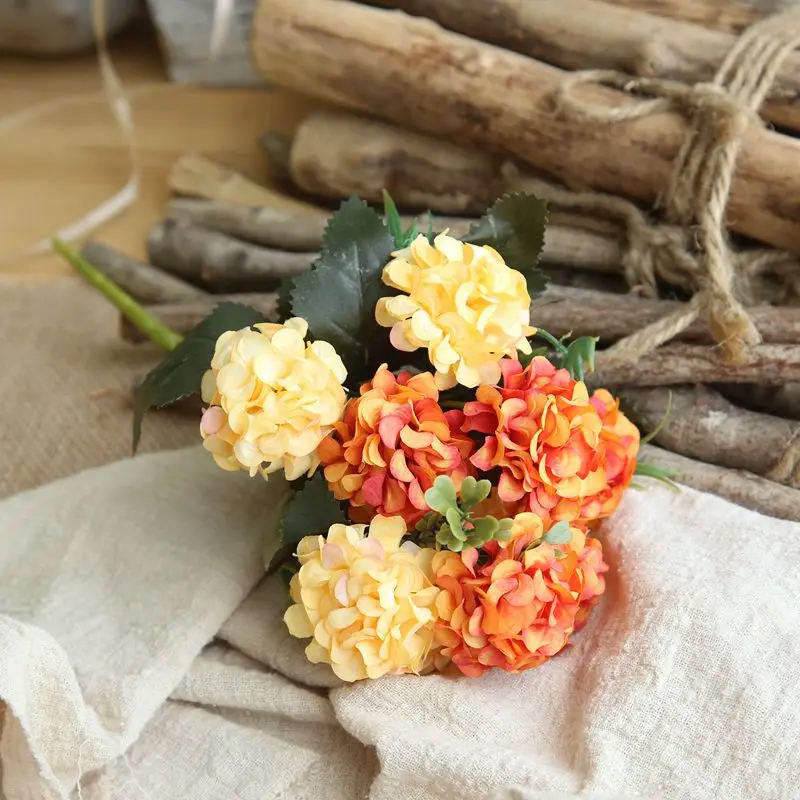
(272, 398)
(367, 601)
(461, 302)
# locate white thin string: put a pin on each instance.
(118, 101)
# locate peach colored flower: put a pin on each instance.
(544, 435)
(558, 457)
(366, 600)
(272, 398)
(519, 609)
(620, 439)
(391, 444)
(462, 303)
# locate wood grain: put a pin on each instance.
(410, 70)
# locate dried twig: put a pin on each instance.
(742, 488)
(147, 284)
(770, 364)
(610, 316)
(220, 261)
(705, 426)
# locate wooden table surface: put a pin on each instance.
(55, 168)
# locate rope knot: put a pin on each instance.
(719, 114)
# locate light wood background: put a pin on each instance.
(55, 168)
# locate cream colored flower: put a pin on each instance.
(461, 302)
(272, 398)
(367, 601)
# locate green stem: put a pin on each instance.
(550, 339)
(142, 319)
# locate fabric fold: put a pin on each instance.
(111, 583)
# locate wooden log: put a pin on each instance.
(411, 71)
(588, 34)
(732, 16)
(182, 317)
(782, 401)
(742, 488)
(336, 154)
(583, 312)
(264, 225)
(197, 176)
(147, 284)
(704, 425)
(565, 245)
(219, 261)
(767, 364)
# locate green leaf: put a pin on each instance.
(559, 534)
(393, 222)
(310, 510)
(338, 295)
(474, 491)
(441, 496)
(285, 289)
(180, 373)
(664, 475)
(484, 530)
(453, 517)
(504, 529)
(515, 227)
(579, 357)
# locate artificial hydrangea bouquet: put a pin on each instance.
(448, 465)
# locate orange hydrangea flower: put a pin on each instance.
(392, 443)
(562, 454)
(519, 609)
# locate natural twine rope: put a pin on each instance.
(719, 113)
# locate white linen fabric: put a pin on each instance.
(132, 666)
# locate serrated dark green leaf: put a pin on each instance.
(180, 373)
(337, 297)
(311, 510)
(285, 298)
(515, 227)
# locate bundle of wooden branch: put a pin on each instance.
(485, 78)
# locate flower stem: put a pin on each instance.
(551, 340)
(142, 319)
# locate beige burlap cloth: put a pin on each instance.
(65, 385)
(132, 666)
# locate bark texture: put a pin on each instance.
(723, 15)
(219, 261)
(588, 34)
(336, 154)
(613, 316)
(411, 71)
(767, 364)
(704, 425)
(742, 488)
(147, 284)
(287, 230)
